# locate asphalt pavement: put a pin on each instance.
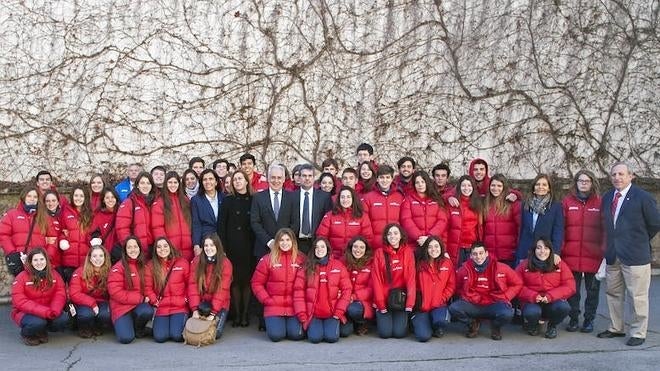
(249, 349)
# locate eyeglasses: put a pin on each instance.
(584, 181)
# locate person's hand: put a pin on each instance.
(23, 257)
(511, 197)
(538, 299)
(557, 259)
(96, 310)
(270, 243)
(453, 201)
(383, 311)
(210, 317)
(197, 250)
(146, 299)
(51, 240)
(195, 314)
(421, 240)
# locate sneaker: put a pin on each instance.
(473, 329)
(31, 340)
(573, 325)
(43, 337)
(533, 330)
(85, 333)
(551, 331)
(438, 333)
(587, 326)
(362, 329)
(496, 333)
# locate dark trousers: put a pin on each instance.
(392, 324)
(32, 325)
(66, 273)
(126, 325)
(323, 330)
(499, 313)
(87, 319)
(463, 255)
(592, 287)
(220, 327)
(305, 244)
(555, 312)
(354, 316)
(280, 327)
(424, 323)
(169, 327)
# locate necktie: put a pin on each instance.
(615, 203)
(276, 205)
(306, 229)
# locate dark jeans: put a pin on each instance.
(220, 327)
(87, 319)
(280, 327)
(592, 287)
(66, 273)
(169, 327)
(424, 323)
(554, 312)
(499, 313)
(354, 315)
(392, 324)
(323, 330)
(32, 325)
(126, 325)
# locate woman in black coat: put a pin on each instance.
(238, 239)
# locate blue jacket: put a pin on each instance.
(123, 189)
(637, 224)
(203, 219)
(549, 226)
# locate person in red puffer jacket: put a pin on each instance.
(134, 214)
(38, 298)
(465, 221)
(129, 304)
(436, 281)
(210, 282)
(96, 186)
(358, 261)
(15, 224)
(103, 223)
(272, 285)
(501, 221)
(345, 221)
(54, 233)
(76, 223)
(393, 268)
(166, 282)
(382, 204)
(423, 212)
(88, 291)
(546, 286)
(170, 216)
(584, 245)
(321, 294)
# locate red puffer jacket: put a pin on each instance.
(220, 298)
(402, 264)
(363, 290)
(501, 232)
(504, 284)
(436, 283)
(81, 293)
(53, 237)
(382, 209)
(37, 300)
(103, 221)
(464, 228)
(273, 286)
(14, 228)
(259, 182)
(78, 238)
(422, 216)
(123, 299)
(341, 228)
(175, 293)
(583, 234)
(177, 230)
(306, 291)
(140, 225)
(557, 285)
(95, 200)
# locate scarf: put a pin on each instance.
(481, 267)
(582, 196)
(539, 205)
(541, 265)
(29, 208)
(324, 261)
(190, 192)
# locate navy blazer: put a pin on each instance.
(548, 226)
(637, 224)
(321, 204)
(262, 219)
(203, 219)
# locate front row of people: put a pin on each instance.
(317, 295)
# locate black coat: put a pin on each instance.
(237, 237)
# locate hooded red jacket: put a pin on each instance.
(81, 293)
(501, 232)
(423, 217)
(435, 283)
(175, 292)
(14, 228)
(273, 286)
(78, 238)
(220, 298)
(464, 228)
(178, 231)
(504, 283)
(341, 228)
(103, 221)
(584, 242)
(123, 299)
(382, 209)
(557, 285)
(37, 300)
(140, 225)
(402, 263)
(483, 187)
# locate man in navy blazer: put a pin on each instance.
(631, 220)
(263, 219)
(318, 203)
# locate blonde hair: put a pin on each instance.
(275, 250)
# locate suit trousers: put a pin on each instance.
(633, 281)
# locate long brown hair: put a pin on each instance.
(500, 203)
(476, 204)
(216, 274)
(368, 183)
(351, 261)
(89, 271)
(85, 210)
(425, 260)
(551, 266)
(249, 184)
(275, 250)
(312, 260)
(46, 282)
(356, 207)
(40, 213)
(159, 276)
(181, 198)
(128, 280)
(431, 190)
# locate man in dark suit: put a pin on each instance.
(631, 220)
(311, 206)
(272, 209)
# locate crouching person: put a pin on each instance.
(485, 288)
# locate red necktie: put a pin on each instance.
(615, 202)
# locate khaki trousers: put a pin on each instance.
(634, 282)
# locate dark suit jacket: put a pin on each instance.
(262, 219)
(637, 224)
(321, 204)
(549, 225)
(203, 220)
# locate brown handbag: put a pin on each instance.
(199, 331)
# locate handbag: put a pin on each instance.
(396, 299)
(199, 332)
(14, 261)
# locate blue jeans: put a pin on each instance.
(592, 287)
(555, 312)
(126, 325)
(169, 327)
(499, 313)
(424, 323)
(280, 327)
(354, 314)
(392, 324)
(87, 319)
(323, 329)
(32, 325)
(220, 327)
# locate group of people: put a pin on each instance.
(326, 256)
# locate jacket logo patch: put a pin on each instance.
(378, 204)
(177, 268)
(395, 261)
(278, 265)
(455, 212)
(485, 279)
(395, 204)
(444, 269)
(336, 222)
(594, 209)
(295, 265)
(366, 270)
(573, 208)
(29, 283)
(353, 223)
(335, 270)
(500, 275)
(20, 217)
